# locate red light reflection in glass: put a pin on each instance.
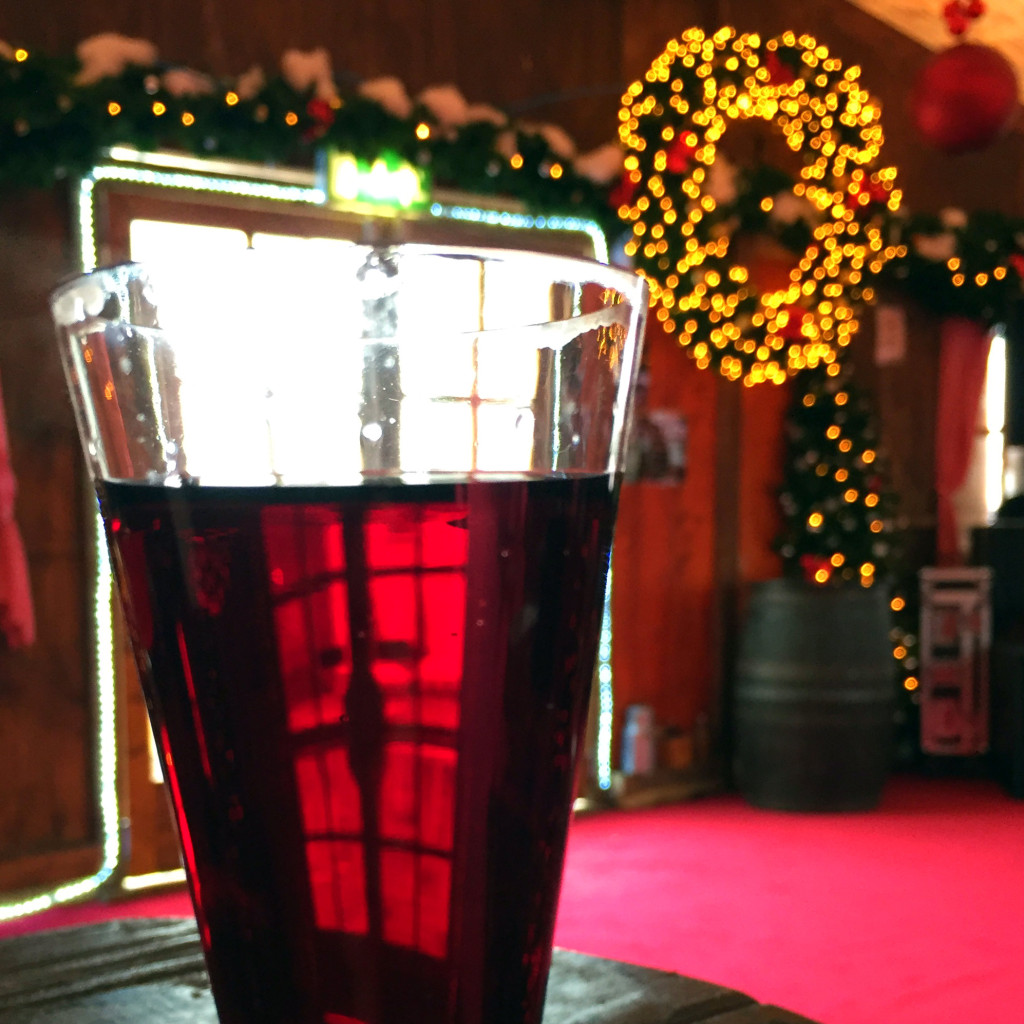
(187, 848)
(393, 854)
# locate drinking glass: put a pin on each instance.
(360, 516)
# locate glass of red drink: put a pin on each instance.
(360, 517)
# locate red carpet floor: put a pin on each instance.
(911, 914)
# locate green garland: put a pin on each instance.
(959, 264)
(838, 508)
(52, 127)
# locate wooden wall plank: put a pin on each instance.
(46, 706)
(31, 872)
(664, 603)
(557, 63)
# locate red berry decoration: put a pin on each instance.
(965, 98)
(812, 565)
(957, 18)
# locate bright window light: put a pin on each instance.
(470, 407)
(995, 415)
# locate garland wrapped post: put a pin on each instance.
(683, 212)
(839, 512)
(840, 517)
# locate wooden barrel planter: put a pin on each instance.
(813, 698)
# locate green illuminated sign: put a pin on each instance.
(387, 181)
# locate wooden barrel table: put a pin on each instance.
(150, 971)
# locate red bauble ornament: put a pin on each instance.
(793, 331)
(778, 73)
(623, 191)
(812, 565)
(964, 98)
(679, 156)
(322, 114)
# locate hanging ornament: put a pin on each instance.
(779, 73)
(965, 97)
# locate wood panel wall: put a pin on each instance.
(47, 810)
(558, 62)
(686, 554)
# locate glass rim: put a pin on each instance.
(578, 269)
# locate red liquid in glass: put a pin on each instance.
(369, 704)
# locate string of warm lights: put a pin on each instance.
(958, 263)
(839, 516)
(605, 695)
(905, 619)
(53, 125)
(840, 524)
(904, 640)
(672, 123)
(57, 118)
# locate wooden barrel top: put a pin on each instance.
(151, 970)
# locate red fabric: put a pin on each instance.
(963, 360)
(17, 619)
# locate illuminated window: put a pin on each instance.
(469, 407)
(994, 404)
(989, 476)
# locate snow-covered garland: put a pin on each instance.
(959, 263)
(58, 113)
